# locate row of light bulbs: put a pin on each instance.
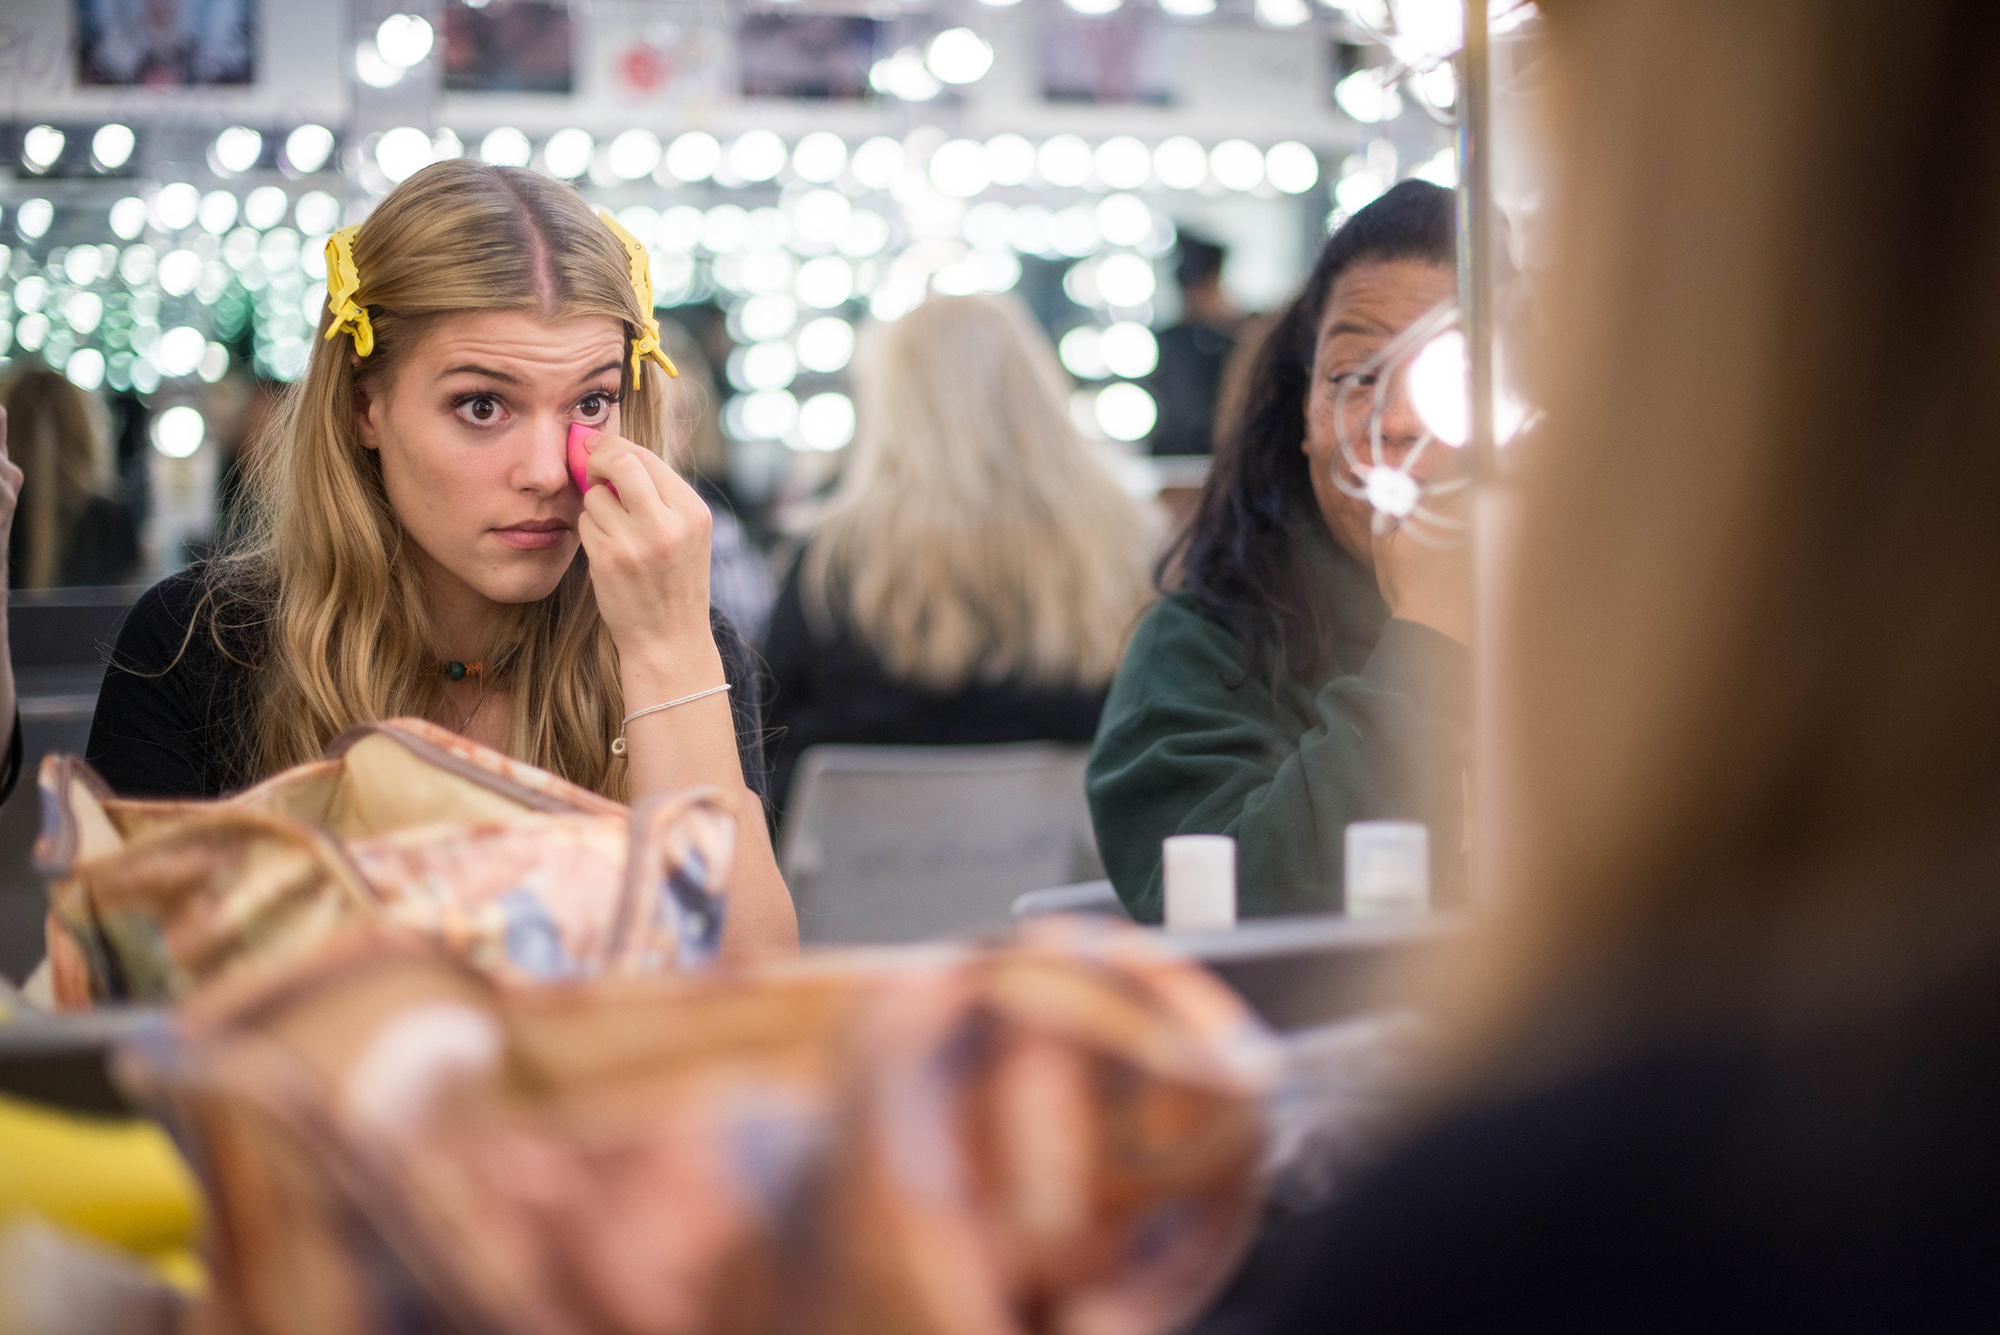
(177, 206)
(1121, 162)
(235, 151)
(750, 261)
(960, 167)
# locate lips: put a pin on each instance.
(533, 534)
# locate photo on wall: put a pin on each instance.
(1121, 58)
(508, 46)
(166, 43)
(813, 57)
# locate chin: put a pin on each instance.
(528, 578)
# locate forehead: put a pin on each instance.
(522, 343)
(1384, 296)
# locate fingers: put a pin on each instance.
(637, 517)
(643, 476)
(621, 468)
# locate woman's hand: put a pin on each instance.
(1429, 585)
(648, 548)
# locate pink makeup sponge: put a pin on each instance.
(580, 437)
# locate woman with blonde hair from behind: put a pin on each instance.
(426, 548)
(1723, 1053)
(975, 574)
(69, 529)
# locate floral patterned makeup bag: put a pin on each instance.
(402, 823)
(1060, 1133)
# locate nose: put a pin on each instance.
(543, 465)
(1401, 427)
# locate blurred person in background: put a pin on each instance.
(974, 575)
(1239, 370)
(1309, 671)
(739, 575)
(1193, 351)
(1725, 1052)
(234, 518)
(70, 530)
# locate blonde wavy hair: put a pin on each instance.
(349, 638)
(975, 534)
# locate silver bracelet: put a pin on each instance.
(618, 744)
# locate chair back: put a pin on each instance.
(900, 843)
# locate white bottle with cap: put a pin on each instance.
(1198, 882)
(1388, 869)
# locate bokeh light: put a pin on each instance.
(178, 432)
(111, 148)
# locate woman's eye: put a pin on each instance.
(480, 409)
(594, 406)
(1359, 379)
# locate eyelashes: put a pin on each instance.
(463, 404)
(483, 407)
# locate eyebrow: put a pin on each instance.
(1355, 327)
(506, 379)
(486, 371)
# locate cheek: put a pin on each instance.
(1322, 437)
(1333, 422)
(430, 471)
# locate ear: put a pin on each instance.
(367, 412)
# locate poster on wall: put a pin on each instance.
(508, 46)
(1120, 58)
(814, 57)
(166, 43)
(686, 60)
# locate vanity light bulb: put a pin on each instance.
(959, 55)
(111, 147)
(404, 40)
(1437, 387)
(178, 431)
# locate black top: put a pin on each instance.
(1848, 1180)
(102, 546)
(1186, 384)
(837, 690)
(171, 713)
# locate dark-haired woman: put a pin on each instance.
(1308, 672)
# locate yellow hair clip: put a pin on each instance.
(342, 282)
(647, 344)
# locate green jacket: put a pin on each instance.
(1189, 743)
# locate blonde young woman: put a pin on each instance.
(975, 574)
(426, 551)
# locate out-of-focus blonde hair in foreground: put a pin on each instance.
(975, 534)
(349, 637)
(1751, 649)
